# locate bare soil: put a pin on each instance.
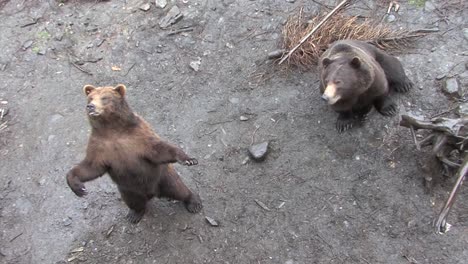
(357, 197)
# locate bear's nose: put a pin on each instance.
(325, 98)
(90, 107)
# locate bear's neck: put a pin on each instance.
(121, 120)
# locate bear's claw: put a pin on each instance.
(191, 162)
(344, 124)
(389, 110)
(134, 217)
(403, 87)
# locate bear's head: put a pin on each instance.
(105, 102)
(344, 79)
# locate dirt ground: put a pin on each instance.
(357, 197)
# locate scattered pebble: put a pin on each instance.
(440, 76)
(55, 118)
(27, 44)
(145, 7)
(451, 87)
(291, 1)
(462, 110)
(211, 221)
(67, 221)
(243, 118)
(161, 3)
(172, 17)
(276, 54)
(195, 65)
(258, 152)
(390, 18)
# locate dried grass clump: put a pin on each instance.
(337, 27)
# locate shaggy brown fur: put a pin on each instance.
(123, 145)
(355, 76)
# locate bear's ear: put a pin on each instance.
(121, 89)
(355, 62)
(326, 62)
(87, 89)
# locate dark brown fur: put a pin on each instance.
(363, 76)
(138, 161)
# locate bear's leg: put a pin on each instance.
(171, 186)
(137, 204)
(397, 79)
(345, 121)
(385, 105)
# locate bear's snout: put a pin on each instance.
(325, 98)
(90, 108)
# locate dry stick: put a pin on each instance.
(440, 224)
(313, 30)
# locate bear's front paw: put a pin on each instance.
(343, 124)
(78, 188)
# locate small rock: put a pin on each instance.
(291, 1)
(440, 76)
(211, 221)
(161, 3)
(462, 110)
(195, 65)
(390, 18)
(451, 87)
(41, 51)
(229, 45)
(429, 6)
(258, 152)
(42, 182)
(145, 7)
(276, 54)
(67, 221)
(243, 118)
(465, 33)
(172, 17)
(234, 100)
(27, 44)
(55, 118)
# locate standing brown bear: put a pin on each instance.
(138, 161)
(355, 76)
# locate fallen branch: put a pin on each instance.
(441, 124)
(446, 136)
(441, 226)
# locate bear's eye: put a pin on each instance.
(105, 100)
